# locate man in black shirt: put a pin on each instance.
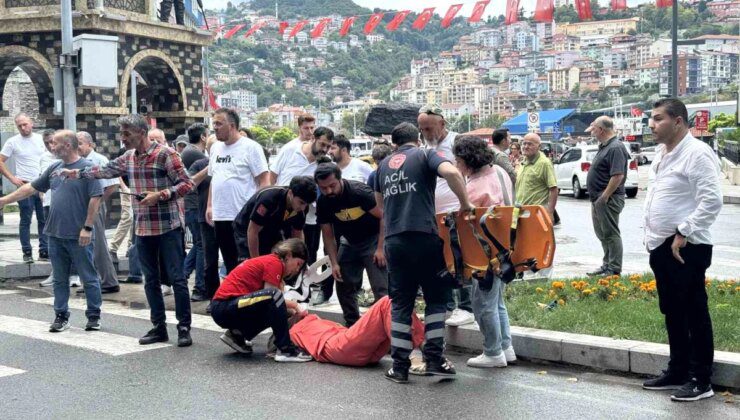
(605, 183)
(348, 213)
(271, 215)
(404, 187)
(194, 261)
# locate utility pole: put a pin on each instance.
(67, 63)
(674, 51)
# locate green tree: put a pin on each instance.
(260, 134)
(265, 119)
(464, 124)
(349, 121)
(721, 120)
(283, 135)
(493, 121)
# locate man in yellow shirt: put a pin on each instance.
(536, 183)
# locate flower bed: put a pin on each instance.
(619, 307)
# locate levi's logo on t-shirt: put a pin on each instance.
(223, 159)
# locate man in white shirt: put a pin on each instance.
(238, 168)
(26, 149)
(353, 169)
(300, 159)
(306, 126)
(683, 201)
(433, 128)
(101, 257)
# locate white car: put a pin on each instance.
(572, 168)
(648, 154)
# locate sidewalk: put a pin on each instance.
(730, 193)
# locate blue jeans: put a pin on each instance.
(27, 207)
(64, 253)
(195, 259)
(134, 266)
(492, 317)
(170, 247)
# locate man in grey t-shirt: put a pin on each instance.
(605, 183)
(501, 139)
(74, 204)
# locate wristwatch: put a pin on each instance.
(88, 228)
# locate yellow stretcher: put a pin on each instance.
(530, 228)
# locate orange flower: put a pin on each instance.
(561, 302)
(587, 292)
(558, 285)
(538, 290)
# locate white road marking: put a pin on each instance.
(8, 292)
(202, 322)
(102, 342)
(9, 371)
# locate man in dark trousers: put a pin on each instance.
(272, 215)
(351, 221)
(194, 261)
(404, 188)
(605, 183)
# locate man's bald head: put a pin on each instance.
(432, 127)
(531, 145)
(602, 128)
(157, 135)
(85, 143)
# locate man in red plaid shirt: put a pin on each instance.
(158, 178)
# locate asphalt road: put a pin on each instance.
(578, 251)
(65, 380)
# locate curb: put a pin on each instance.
(730, 199)
(629, 356)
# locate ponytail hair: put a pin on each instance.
(292, 247)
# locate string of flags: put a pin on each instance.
(544, 12)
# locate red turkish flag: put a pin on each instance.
(256, 27)
(636, 112)
(663, 3)
(451, 12)
(512, 12)
(282, 26)
(478, 11)
(373, 22)
(583, 7)
(619, 4)
(297, 28)
(319, 28)
(422, 20)
(544, 11)
(397, 20)
(347, 25)
(211, 98)
(234, 30)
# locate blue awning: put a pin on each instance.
(518, 124)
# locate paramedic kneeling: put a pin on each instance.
(404, 187)
(250, 300)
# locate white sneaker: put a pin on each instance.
(460, 317)
(74, 281)
(509, 354)
(484, 361)
(166, 290)
(48, 282)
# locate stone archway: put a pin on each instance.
(38, 69)
(161, 75)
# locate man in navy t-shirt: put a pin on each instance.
(404, 187)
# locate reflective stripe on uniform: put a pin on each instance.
(397, 326)
(401, 343)
(435, 333)
(243, 303)
(432, 318)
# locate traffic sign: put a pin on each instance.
(533, 122)
(701, 120)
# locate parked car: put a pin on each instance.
(648, 154)
(572, 169)
(635, 151)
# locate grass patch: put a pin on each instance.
(617, 307)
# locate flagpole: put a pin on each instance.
(674, 51)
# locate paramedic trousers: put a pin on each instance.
(416, 259)
(253, 313)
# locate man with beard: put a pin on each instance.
(352, 168)
(72, 212)
(351, 221)
(300, 159)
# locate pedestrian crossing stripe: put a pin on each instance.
(8, 292)
(9, 371)
(202, 322)
(101, 342)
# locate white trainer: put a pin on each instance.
(166, 290)
(74, 281)
(509, 354)
(48, 282)
(460, 317)
(483, 361)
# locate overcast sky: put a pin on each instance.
(496, 7)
